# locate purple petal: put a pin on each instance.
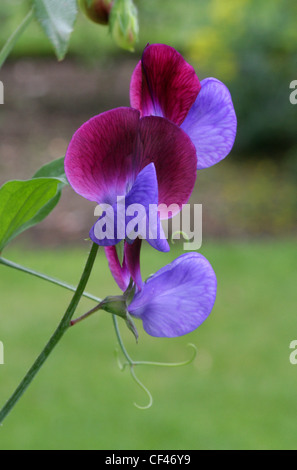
(99, 159)
(113, 225)
(163, 84)
(155, 233)
(131, 217)
(178, 298)
(104, 231)
(144, 193)
(211, 123)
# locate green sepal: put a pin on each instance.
(117, 305)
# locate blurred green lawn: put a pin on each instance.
(240, 393)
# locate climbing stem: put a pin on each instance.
(56, 337)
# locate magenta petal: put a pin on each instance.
(178, 298)
(106, 154)
(99, 159)
(211, 123)
(120, 273)
(174, 155)
(129, 216)
(132, 261)
(164, 84)
(130, 267)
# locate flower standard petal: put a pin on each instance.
(106, 154)
(211, 123)
(178, 298)
(164, 84)
(109, 157)
(99, 159)
(174, 156)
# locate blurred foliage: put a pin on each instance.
(251, 45)
(240, 393)
(256, 198)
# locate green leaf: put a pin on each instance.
(57, 18)
(54, 169)
(26, 203)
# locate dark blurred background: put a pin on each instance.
(249, 45)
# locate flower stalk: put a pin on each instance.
(54, 340)
(10, 43)
(45, 277)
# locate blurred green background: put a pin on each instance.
(240, 391)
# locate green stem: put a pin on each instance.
(59, 333)
(44, 277)
(86, 315)
(131, 365)
(119, 338)
(9, 45)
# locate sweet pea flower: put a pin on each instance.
(173, 302)
(147, 161)
(164, 84)
(178, 298)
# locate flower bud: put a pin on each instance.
(97, 10)
(124, 24)
(115, 305)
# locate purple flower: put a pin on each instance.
(146, 161)
(178, 298)
(164, 84)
